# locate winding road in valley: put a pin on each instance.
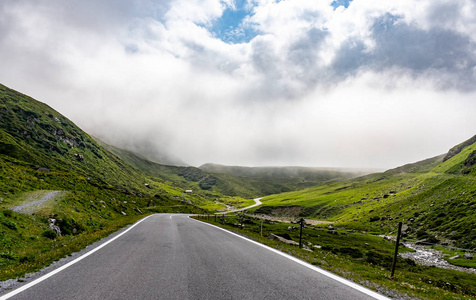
(257, 203)
(167, 256)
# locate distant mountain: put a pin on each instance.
(299, 174)
(236, 181)
(215, 185)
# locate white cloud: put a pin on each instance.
(375, 85)
(197, 11)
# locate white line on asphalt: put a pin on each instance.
(305, 264)
(46, 276)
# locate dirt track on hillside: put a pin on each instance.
(34, 206)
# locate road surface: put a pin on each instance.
(257, 203)
(174, 257)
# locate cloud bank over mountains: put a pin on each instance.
(253, 82)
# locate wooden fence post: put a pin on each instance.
(261, 227)
(300, 233)
(396, 249)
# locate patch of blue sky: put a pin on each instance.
(337, 3)
(230, 28)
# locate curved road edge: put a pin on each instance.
(342, 280)
(257, 203)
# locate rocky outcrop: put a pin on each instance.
(54, 227)
(471, 160)
(79, 157)
(468, 256)
(278, 238)
(286, 211)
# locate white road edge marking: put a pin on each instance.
(308, 265)
(46, 276)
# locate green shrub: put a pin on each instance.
(8, 213)
(68, 225)
(327, 247)
(10, 224)
(50, 234)
(25, 259)
(5, 241)
(378, 259)
(422, 234)
(8, 255)
(353, 252)
(375, 218)
(208, 182)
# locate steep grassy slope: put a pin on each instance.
(435, 199)
(88, 191)
(33, 132)
(38, 138)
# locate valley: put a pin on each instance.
(54, 174)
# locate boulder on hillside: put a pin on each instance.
(281, 239)
(428, 241)
(468, 256)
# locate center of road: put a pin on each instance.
(161, 257)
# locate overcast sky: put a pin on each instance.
(315, 83)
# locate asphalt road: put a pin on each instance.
(173, 257)
(257, 203)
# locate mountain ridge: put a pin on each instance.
(458, 148)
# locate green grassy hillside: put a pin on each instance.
(33, 132)
(202, 183)
(434, 198)
(218, 181)
(51, 169)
